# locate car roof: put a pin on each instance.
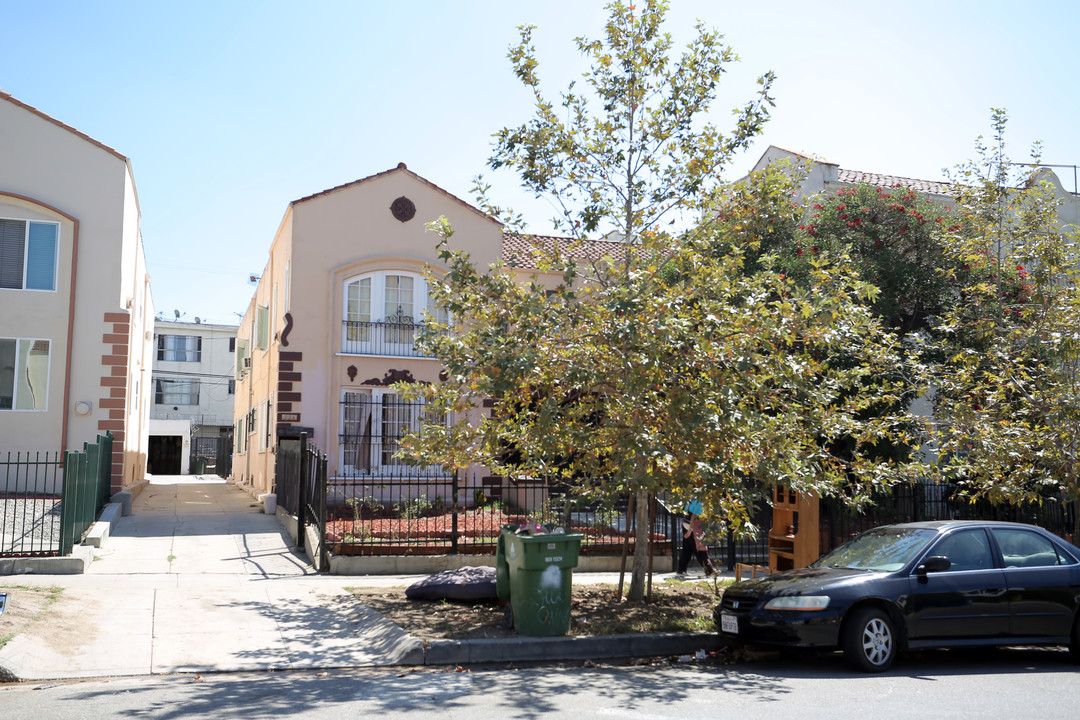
(941, 526)
(949, 524)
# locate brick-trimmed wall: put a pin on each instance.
(114, 387)
(288, 387)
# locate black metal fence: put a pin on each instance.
(460, 514)
(429, 513)
(47, 505)
(301, 490)
(931, 501)
(434, 514)
(839, 522)
(223, 461)
(727, 550)
(30, 504)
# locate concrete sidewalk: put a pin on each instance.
(197, 579)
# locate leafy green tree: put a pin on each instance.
(626, 155)
(630, 151)
(895, 241)
(665, 366)
(1007, 389)
(891, 237)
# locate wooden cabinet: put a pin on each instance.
(794, 539)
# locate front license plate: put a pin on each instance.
(729, 624)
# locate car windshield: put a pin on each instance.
(884, 549)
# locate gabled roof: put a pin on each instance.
(795, 153)
(54, 121)
(934, 187)
(517, 249)
(854, 177)
(401, 168)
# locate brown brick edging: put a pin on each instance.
(114, 366)
(289, 381)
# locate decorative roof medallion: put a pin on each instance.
(403, 209)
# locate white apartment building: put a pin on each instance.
(192, 397)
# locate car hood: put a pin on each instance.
(804, 581)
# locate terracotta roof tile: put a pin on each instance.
(517, 249)
(854, 177)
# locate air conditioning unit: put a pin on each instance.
(246, 363)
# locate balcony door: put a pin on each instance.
(382, 313)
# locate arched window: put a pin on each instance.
(383, 313)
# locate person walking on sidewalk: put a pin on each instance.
(693, 543)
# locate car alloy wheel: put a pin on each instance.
(869, 642)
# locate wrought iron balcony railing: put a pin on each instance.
(382, 338)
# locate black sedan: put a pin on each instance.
(916, 585)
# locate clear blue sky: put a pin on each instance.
(229, 110)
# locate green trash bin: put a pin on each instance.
(502, 569)
(538, 578)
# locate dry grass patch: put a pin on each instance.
(594, 610)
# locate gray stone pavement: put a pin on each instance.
(197, 580)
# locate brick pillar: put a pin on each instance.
(114, 380)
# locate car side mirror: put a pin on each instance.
(935, 563)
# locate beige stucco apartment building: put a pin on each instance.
(332, 326)
(333, 320)
(76, 313)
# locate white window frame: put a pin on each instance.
(167, 350)
(374, 457)
(27, 224)
(262, 327)
(192, 386)
(388, 339)
(21, 379)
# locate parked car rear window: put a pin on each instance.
(1024, 548)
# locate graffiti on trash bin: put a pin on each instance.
(551, 578)
(548, 606)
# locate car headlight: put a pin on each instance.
(798, 602)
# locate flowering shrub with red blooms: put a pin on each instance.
(895, 237)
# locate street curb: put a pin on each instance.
(494, 651)
(73, 564)
(599, 647)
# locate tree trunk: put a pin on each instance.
(625, 543)
(641, 547)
